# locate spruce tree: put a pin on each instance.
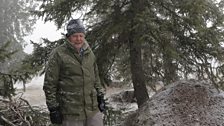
(165, 40)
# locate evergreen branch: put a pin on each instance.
(4, 53)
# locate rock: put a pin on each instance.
(184, 103)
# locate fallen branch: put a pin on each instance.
(18, 112)
(7, 121)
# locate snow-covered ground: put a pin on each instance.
(171, 103)
(114, 93)
(34, 93)
(183, 103)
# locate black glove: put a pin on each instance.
(55, 115)
(101, 103)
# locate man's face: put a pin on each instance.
(77, 38)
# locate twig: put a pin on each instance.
(7, 121)
(27, 104)
(4, 100)
(18, 112)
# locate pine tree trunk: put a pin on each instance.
(137, 72)
(170, 70)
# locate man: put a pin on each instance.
(72, 86)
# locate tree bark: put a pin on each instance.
(170, 69)
(137, 73)
(138, 77)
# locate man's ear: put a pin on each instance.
(68, 38)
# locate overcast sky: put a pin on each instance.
(42, 30)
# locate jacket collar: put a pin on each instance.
(85, 47)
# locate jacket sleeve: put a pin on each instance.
(51, 80)
(98, 86)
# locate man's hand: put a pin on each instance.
(101, 103)
(55, 115)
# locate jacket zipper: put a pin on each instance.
(84, 101)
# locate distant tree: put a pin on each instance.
(16, 22)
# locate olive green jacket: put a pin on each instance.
(72, 81)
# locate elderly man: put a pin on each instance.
(72, 86)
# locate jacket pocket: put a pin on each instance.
(93, 97)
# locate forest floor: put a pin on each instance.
(184, 103)
(33, 93)
(120, 100)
